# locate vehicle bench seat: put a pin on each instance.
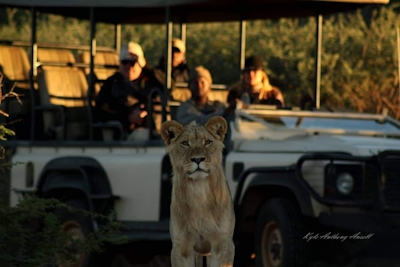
(63, 86)
(15, 66)
(220, 95)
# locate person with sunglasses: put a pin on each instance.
(255, 86)
(124, 95)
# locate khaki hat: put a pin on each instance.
(133, 51)
(178, 43)
(200, 71)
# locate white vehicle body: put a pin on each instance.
(135, 172)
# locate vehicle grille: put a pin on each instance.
(391, 181)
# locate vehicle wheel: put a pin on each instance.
(79, 226)
(278, 236)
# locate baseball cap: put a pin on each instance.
(132, 51)
(178, 43)
(200, 71)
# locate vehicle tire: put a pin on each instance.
(279, 235)
(79, 225)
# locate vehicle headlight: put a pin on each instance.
(345, 183)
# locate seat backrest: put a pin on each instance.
(57, 81)
(101, 58)
(55, 55)
(14, 62)
(218, 94)
(56, 85)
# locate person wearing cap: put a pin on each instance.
(179, 71)
(124, 95)
(255, 82)
(199, 108)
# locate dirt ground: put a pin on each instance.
(157, 261)
(162, 261)
(157, 255)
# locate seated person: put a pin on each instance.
(256, 83)
(179, 71)
(124, 95)
(198, 108)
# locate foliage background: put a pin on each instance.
(359, 61)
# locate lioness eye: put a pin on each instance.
(185, 143)
(207, 142)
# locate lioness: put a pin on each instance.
(202, 215)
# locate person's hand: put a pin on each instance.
(266, 94)
(240, 104)
(136, 116)
(130, 101)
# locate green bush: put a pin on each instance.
(31, 234)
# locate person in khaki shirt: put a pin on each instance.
(199, 108)
(256, 83)
(179, 71)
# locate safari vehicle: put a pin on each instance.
(291, 172)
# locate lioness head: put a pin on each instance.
(195, 150)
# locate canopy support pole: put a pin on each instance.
(317, 93)
(91, 73)
(242, 48)
(183, 32)
(168, 53)
(33, 72)
(117, 41)
(398, 61)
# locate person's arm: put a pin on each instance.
(159, 77)
(102, 109)
(186, 73)
(233, 93)
(279, 96)
(156, 77)
(103, 95)
(187, 113)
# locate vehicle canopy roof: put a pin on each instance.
(188, 11)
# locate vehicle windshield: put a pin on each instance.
(341, 123)
(321, 120)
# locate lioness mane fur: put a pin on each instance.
(202, 217)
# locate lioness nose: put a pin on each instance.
(198, 160)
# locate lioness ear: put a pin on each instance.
(170, 130)
(217, 125)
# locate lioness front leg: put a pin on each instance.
(222, 254)
(182, 254)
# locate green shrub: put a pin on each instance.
(31, 234)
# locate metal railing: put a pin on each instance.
(75, 64)
(58, 46)
(259, 110)
(163, 98)
(213, 86)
